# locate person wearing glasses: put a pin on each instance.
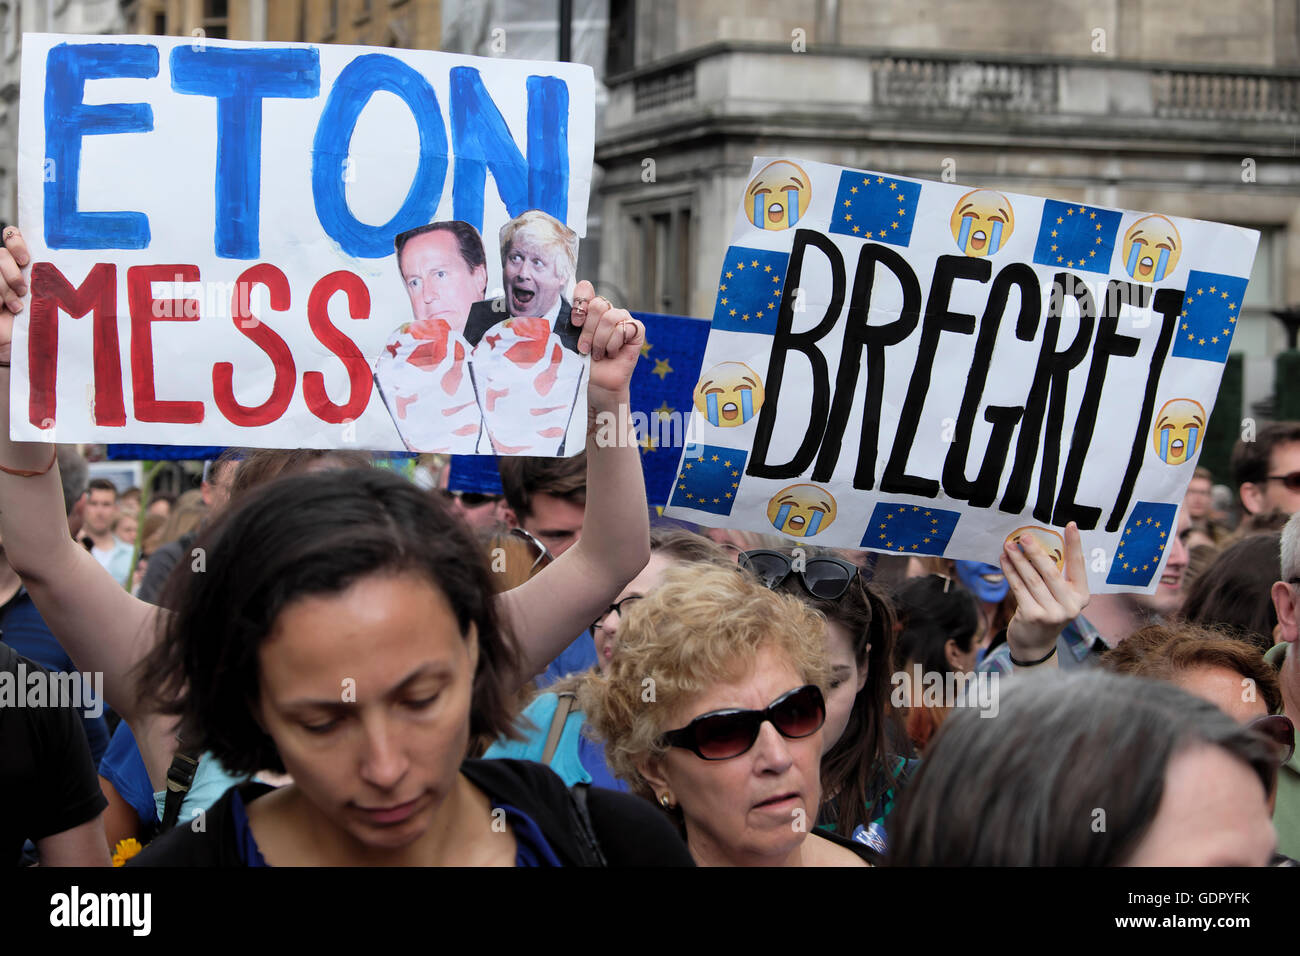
(1267, 470)
(713, 707)
(865, 759)
(1286, 660)
(1090, 769)
(552, 727)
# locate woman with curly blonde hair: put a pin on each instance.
(713, 708)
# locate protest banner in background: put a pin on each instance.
(928, 369)
(213, 226)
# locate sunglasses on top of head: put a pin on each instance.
(724, 734)
(823, 577)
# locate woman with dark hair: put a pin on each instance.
(1090, 769)
(861, 768)
(341, 634)
(1233, 593)
(939, 634)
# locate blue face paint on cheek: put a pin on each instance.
(963, 237)
(791, 206)
(1134, 253)
(996, 242)
(1163, 264)
(781, 517)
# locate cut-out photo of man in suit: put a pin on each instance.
(539, 257)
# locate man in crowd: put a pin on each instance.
(97, 530)
(1283, 656)
(539, 257)
(547, 497)
(1267, 472)
(217, 476)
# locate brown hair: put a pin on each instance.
(1232, 594)
(1162, 652)
(265, 464)
(1251, 459)
(523, 477)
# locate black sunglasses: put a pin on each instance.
(724, 734)
(822, 577)
(617, 608)
(470, 499)
(1290, 481)
(1280, 731)
(543, 553)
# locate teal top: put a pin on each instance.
(211, 780)
(535, 724)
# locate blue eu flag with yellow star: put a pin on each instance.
(1076, 236)
(875, 207)
(910, 529)
(749, 291)
(1149, 529)
(1211, 305)
(710, 482)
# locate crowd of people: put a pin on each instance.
(322, 663)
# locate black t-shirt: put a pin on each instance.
(47, 781)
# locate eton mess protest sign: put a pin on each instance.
(929, 369)
(284, 245)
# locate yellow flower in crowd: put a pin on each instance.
(126, 849)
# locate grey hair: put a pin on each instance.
(1291, 548)
(75, 474)
(1023, 788)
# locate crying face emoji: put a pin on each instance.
(801, 510)
(1178, 430)
(729, 394)
(1049, 540)
(1151, 248)
(778, 196)
(982, 222)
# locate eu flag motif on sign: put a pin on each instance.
(749, 292)
(1149, 529)
(875, 207)
(1211, 305)
(1076, 236)
(909, 529)
(710, 482)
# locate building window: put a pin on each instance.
(620, 44)
(659, 252)
(160, 24)
(216, 19)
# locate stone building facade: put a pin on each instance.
(1189, 107)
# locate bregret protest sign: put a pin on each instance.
(286, 245)
(927, 369)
